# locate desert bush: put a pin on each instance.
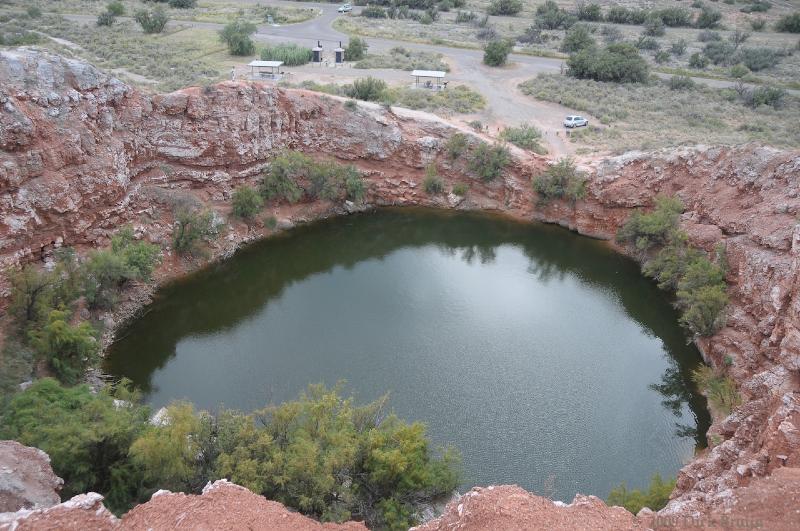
(624, 15)
(756, 6)
(525, 136)
(759, 58)
(766, 95)
(373, 12)
(504, 7)
(611, 34)
(356, 49)
(708, 36)
(674, 17)
(496, 53)
(681, 83)
(644, 230)
(718, 388)
(68, 350)
(719, 52)
(561, 180)
(789, 23)
(247, 202)
(589, 12)
(698, 61)
(738, 37)
(292, 174)
(116, 8)
(647, 43)
(465, 17)
(182, 4)
(661, 57)
(550, 16)
(757, 24)
(488, 161)
(106, 18)
(708, 18)
(152, 20)
(192, 228)
(368, 89)
(654, 26)
(456, 145)
(678, 48)
(460, 189)
(432, 184)
(290, 53)
(620, 63)
(702, 297)
(577, 38)
(236, 35)
(738, 71)
(655, 497)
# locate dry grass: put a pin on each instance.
(638, 116)
(404, 59)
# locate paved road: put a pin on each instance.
(506, 105)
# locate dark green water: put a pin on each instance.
(545, 357)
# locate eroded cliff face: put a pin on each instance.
(82, 154)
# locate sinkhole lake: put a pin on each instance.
(543, 356)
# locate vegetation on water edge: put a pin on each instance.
(655, 497)
(720, 389)
(293, 176)
(320, 454)
(698, 282)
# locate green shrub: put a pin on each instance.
(698, 61)
(86, 434)
(708, 18)
(577, 38)
(32, 292)
(34, 12)
(624, 15)
(152, 20)
(674, 17)
(550, 16)
(246, 202)
(619, 63)
(719, 52)
(561, 180)
(279, 180)
(647, 43)
(236, 35)
(351, 105)
(488, 161)
(182, 4)
(456, 145)
(106, 18)
(373, 12)
(504, 7)
(496, 53)
(460, 189)
(757, 24)
(525, 136)
(681, 83)
(668, 265)
(68, 350)
(116, 8)
(661, 57)
(718, 388)
(643, 230)
(759, 58)
(756, 6)
(708, 36)
(192, 227)
(432, 184)
(738, 71)
(766, 95)
(589, 12)
(368, 89)
(789, 23)
(356, 49)
(465, 17)
(293, 174)
(654, 27)
(291, 54)
(678, 48)
(655, 497)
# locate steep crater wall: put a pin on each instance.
(82, 154)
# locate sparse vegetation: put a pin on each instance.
(247, 202)
(525, 136)
(655, 497)
(561, 180)
(152, 20)
(504, 7)
(488, 161)
(293, 175)
(789, 23)
(456, 145)
(718, 388)
(432, 184)
(404, 59)
(460, 189)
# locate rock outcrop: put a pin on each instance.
(81, 154)
(26, 479)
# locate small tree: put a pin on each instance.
(577, 38)
(356, 49)
(496, 53)
(237, 36)
(191, 227)
(247, 202)
(31, 293)
(69, 350)
(152, 21)
(561, 181)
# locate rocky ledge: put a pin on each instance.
(82, 154)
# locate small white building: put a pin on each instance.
(265, 69)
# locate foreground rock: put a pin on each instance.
(513, 508)
(82, 154)
(26, 479)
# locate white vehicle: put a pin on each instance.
(575, 121)
(346, 8)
